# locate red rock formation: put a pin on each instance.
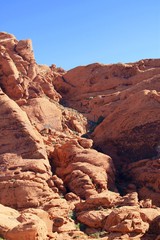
(125, 220)
(25, 225)
(96, 89)
(125, 97)
(53, 183)
(21, 77)
(43, 114)
(132, 132)
(84, 171)
(145, 175)
(17, 134)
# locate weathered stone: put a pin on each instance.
(125, 220)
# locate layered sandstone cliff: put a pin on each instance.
(79, 150)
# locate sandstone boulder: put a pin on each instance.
(22, 226)
(30, 227)
(84, 171)
(23, 182)
(125, 220)
(106, 199)
(74, 121)
(42, 85)
(8, 40)
(149, 214)
(17, 134)
(93, 218)
(43, 215)
(24, 49)
(43, 114)
(8, 219)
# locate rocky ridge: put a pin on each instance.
(79, 150)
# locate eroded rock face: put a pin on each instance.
(17, 134)
(58, 185)
(43, 114)
(101, 87)
(84, 171)
(132, 132)
(20, 76)
(121, 102)
(125, 220)
(23, 182)
(25, 225)
(146, 176)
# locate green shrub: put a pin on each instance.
(72, 215)
(98, 235)
(80, 226)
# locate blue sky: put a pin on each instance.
(70, 33)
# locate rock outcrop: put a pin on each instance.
(84, 171)
(146, 176)
(79, 150)
(25, 225)
(121, 102)
(132, 132)
(21, 78)
(17, 134)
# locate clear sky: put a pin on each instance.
(70, 33)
